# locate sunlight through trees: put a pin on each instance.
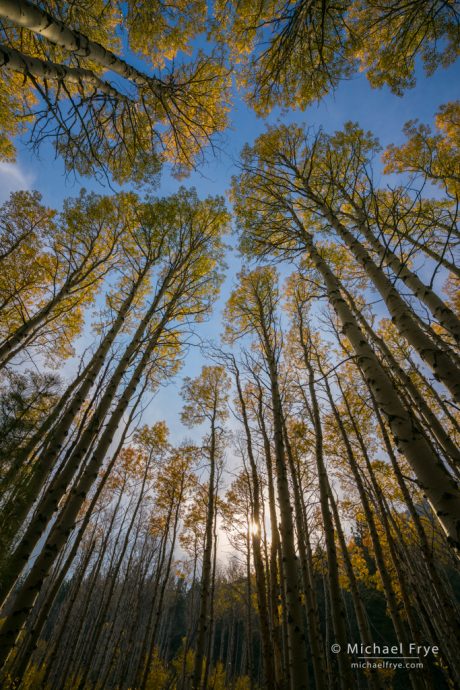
(305, 504)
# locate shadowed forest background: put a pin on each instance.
(229, 344)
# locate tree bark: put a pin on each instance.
(441, 490)
(203, 620)
(438, 360)
(50, 501)
(27, 594)
(26, 14)
(45, 69)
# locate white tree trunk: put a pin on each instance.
(26, 14)
(440, 488)
(44, 69)
(439, 309)
(438, 360)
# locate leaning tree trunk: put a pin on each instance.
(274, 543)
(25, 598)
(381, 509)
(50, 501)
(431, 421)
(159, 598)
(30, 642)
(64, 627)
(358, 605)
(25, 14)
(438, 360)
(337, 606)
(314, 630)
(441, 490)
(370, 521)
(296, 638)
(438, 258)
(55, 439)
(443, 602)
(203, 621)
(439, 309)
(114, 575)
(45, 69)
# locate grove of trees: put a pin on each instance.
(311, 507)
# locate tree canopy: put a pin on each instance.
(229, 425)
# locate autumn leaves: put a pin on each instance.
(343, 380)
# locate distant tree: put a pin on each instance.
(206, 402)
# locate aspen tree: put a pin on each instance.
(99, 126)
(189, 287)
(337, 605)
(55, 429)
(295, 55)
(182, 271)
(77, 251)
(255, 530)
(32, 635)
(206, 401)
(287, 234)
(251, 309)
(172, 489)
(273, 561)
(290, 158)
(419, 402)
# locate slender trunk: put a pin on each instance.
(378, 551)
(76, 630)
(52, 444)
(337, 606)
(267, 650)
(30, 642)
(26, 596)
(424, 246)
(444, 601)
(296, 640)
(360, 610)
(28, 15)
(50, 501)
(203, 620)
(212, 628)
(274, 546)
(160, 599)
(432, 422)
(382, 512)
(439, 309)
(114, 574)
(128, 602)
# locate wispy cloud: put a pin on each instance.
(13, 178)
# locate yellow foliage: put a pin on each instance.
(433, 155)
(158, 673)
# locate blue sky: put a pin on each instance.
(377, 110)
